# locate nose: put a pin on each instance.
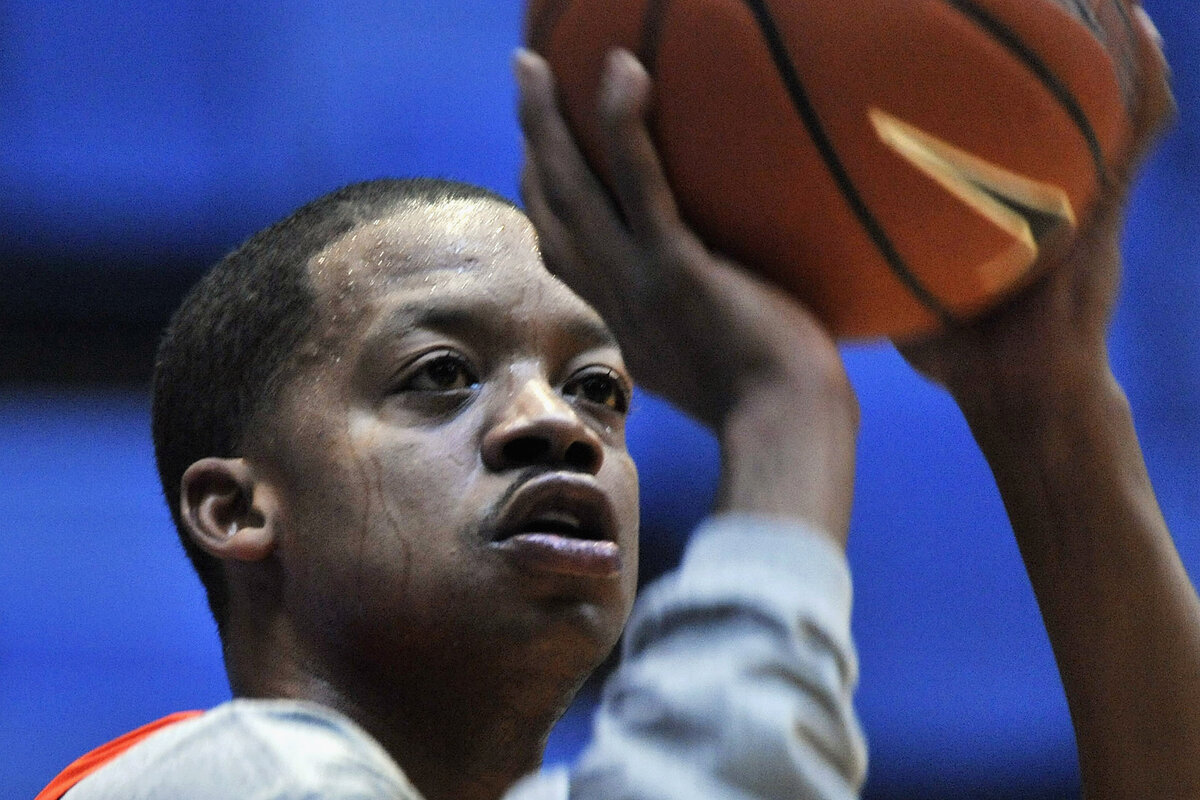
(539, 427)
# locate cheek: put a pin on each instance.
(411, 492)
(622, 480)
(623, 483)
(379, 548)
(413, 479)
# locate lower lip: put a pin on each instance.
(548, 552)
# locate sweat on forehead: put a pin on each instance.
(418, 236)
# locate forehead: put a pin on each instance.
(476, 254)
(419, 237)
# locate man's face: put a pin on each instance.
(450, 458)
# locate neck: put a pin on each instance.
(466, 730)
(457, 741)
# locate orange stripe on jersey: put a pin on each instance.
(86, 765)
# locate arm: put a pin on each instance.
(738, 670)
(1121, 614)
(1034, 384)
(736, 676)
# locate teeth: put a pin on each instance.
(557, 519)
(560, 523)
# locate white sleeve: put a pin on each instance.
(737, 676)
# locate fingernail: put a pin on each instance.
(619, 72)
(1149, 25)
(522, 63)
(622, 62)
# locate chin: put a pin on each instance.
(571, 636)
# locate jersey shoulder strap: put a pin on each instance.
(87, 764)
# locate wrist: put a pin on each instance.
(787, 448)
(1044, 387)
(1057, 419)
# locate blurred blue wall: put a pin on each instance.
(137, 136)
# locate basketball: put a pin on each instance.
(898, 165)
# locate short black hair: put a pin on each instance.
(228, 350)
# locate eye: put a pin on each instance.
(440, 371)
(599, 385)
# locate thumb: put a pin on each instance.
(1156, 108)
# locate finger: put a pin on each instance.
(1156, 107)
(1143, 19)
(569, 187)
(637, 175)
(558, 249)
(553, 241)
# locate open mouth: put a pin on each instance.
(561, 504)
(560, 523)
(555, 522)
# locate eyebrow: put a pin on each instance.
(481, 317)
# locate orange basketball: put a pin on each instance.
(897, 164)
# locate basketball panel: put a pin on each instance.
(751, 181)
(857, 229)
(577, 46)
(988, 105)
(1097, 69)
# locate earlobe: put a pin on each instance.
(226, 513)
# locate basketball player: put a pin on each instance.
(394, 447)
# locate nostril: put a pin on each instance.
(581, 456)
(526, 450)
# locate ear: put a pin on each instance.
(226, 512)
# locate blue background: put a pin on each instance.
(144, 139)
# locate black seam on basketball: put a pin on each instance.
(542, 28)
(652, 28)
(1015, 45)
(812, 122)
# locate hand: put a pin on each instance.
(696, 328)
(1048, 343)
(735, 353)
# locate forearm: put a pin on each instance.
(735, 681)
(1120, 611)
(788, 449)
